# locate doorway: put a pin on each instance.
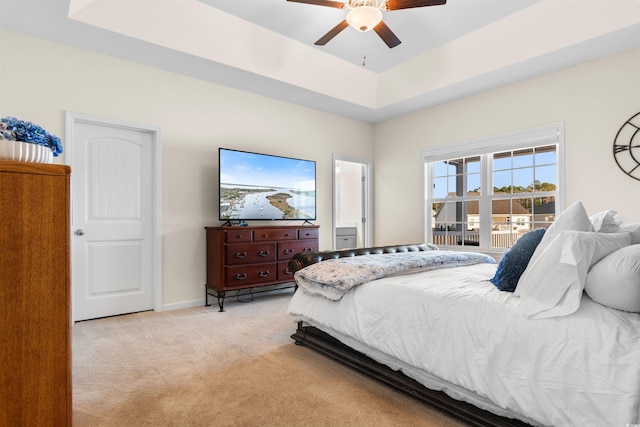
(352, 203)
(116, 252)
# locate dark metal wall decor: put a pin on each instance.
(626, 147)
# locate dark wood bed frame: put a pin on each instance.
(324, 343)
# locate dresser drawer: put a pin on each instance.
(238, 235)
(244, 275)
(250, 253)
(308, 233)
(274, 234)
(284, 273)
(286, 250)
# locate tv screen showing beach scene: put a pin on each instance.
(256, 186)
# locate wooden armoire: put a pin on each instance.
(35, 304)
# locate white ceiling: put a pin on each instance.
(419, 29)
(266, 46)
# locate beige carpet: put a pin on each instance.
(199, 367)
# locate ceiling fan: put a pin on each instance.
(366, 15)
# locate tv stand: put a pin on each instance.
(306, 221)
(243, 258)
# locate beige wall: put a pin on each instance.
(592, 99)
(40, 80)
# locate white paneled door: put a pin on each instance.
(113, 219)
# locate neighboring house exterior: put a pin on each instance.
(509, 220)
(545, 213)
(502, 217)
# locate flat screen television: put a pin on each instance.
(258, 187)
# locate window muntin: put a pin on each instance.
(492, 197)
(456, 176)
(525, 171)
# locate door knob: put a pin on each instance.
(79, 232)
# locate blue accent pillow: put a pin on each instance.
(515, 260)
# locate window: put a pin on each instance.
(488, 193)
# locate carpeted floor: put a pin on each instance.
(199, 367)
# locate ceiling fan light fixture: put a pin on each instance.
(364, 18)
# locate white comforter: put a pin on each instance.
(453, 330)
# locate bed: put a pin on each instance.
(450, 336)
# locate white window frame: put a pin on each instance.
(538, 136)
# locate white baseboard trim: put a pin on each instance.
(183, 304)
(214, 303)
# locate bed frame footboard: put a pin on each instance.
(326, 344)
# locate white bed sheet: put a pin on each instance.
(453, 325)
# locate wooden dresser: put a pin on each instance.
(35, 315)
(249, 257)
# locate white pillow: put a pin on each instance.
(615, 280)
(573, 218)
(634, 229)
(606, 221)
(552, 285)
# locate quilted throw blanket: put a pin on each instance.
(333, 278)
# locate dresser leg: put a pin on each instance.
(220, 295)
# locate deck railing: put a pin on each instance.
(499, 238)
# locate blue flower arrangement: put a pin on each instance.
(13, 129)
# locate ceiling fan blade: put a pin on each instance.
(387, 35)
(408, 4)
(332, 33)
(327, 3)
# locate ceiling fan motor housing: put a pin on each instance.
(352, 4)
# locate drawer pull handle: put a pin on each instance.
(264, 273)
(287, 271)
(239, 236)
(241, 255)
(264, 253)
(288, 251)
(241, 276)
(265, 235)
